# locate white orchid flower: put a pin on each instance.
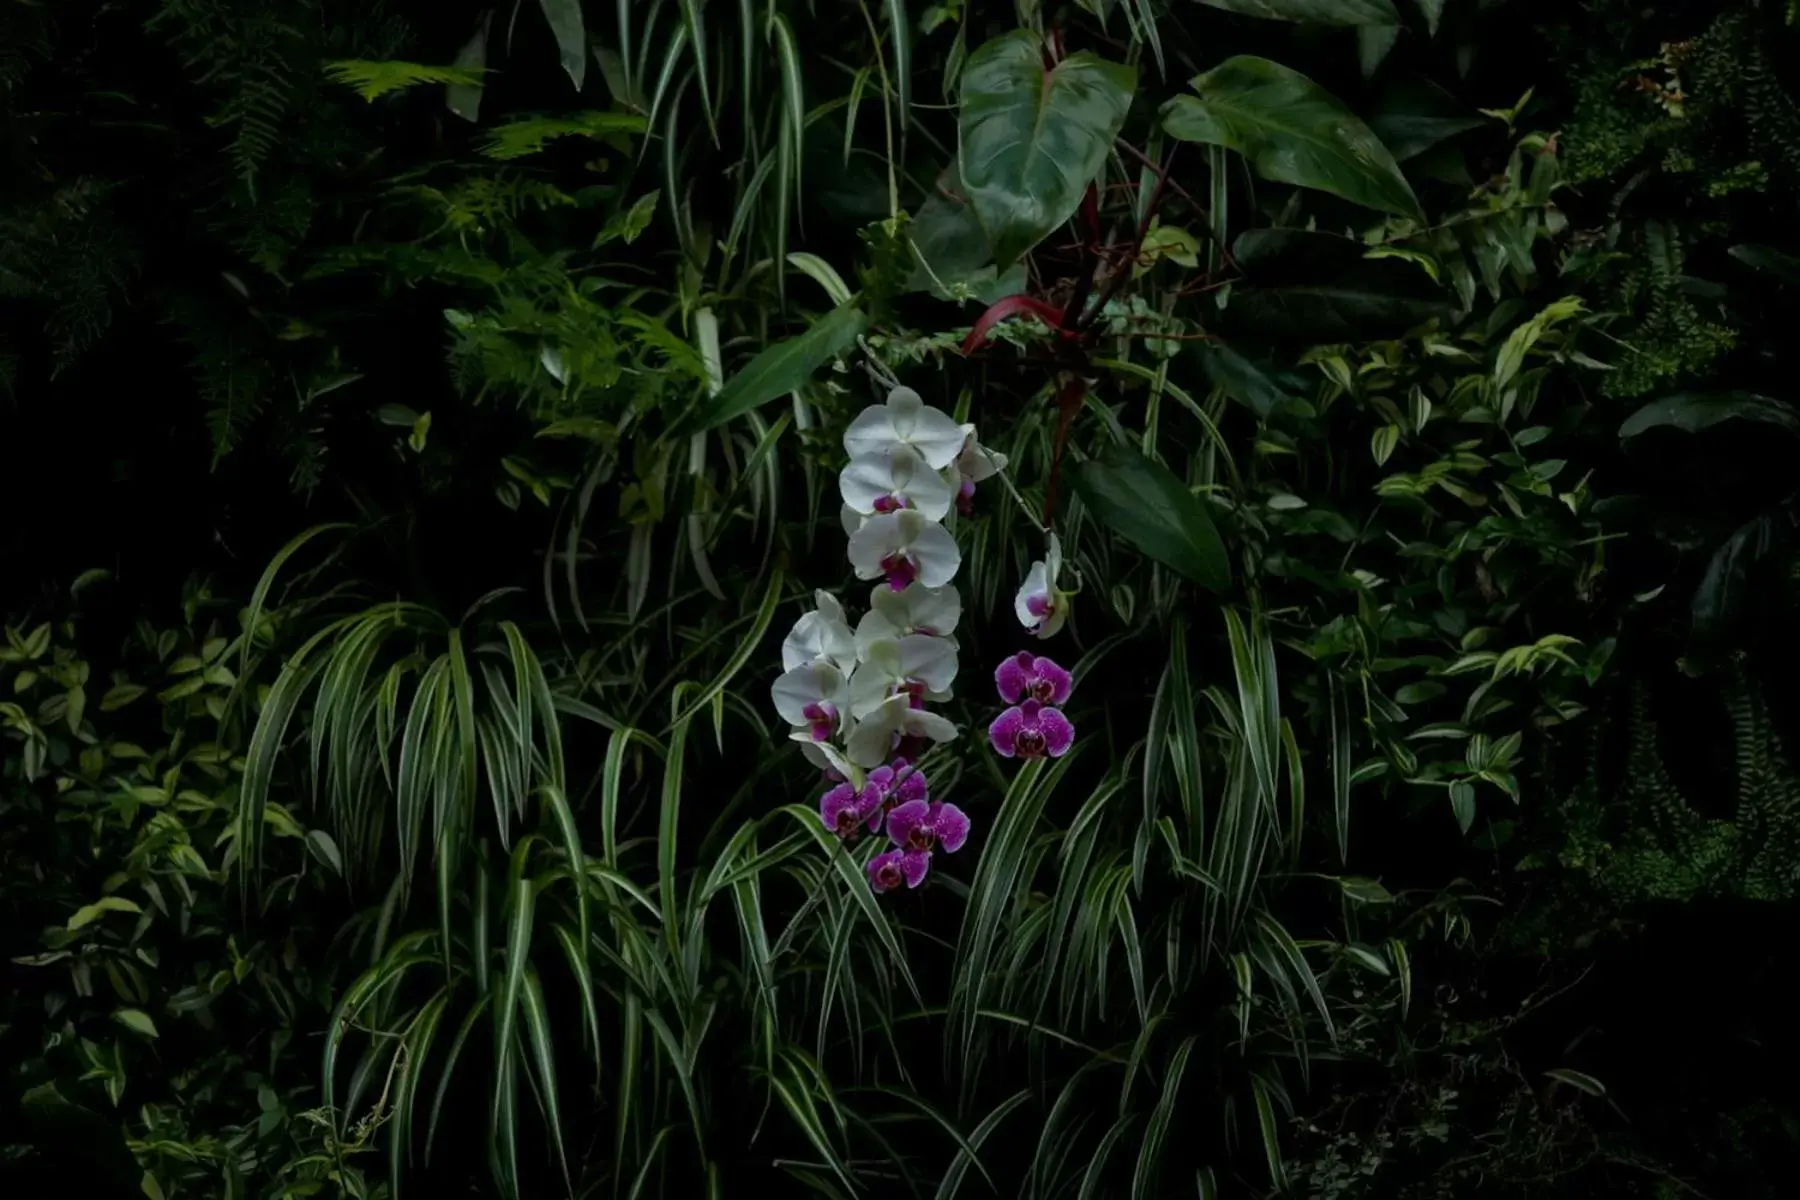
(823, 634)
(891, 727)
(892, 480)
(914, 666)
(904, 546)
(905, 420)
(851, 520)
(1041, 606)
(813, 698)
(918, 609)
(974, 464)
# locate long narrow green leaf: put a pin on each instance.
(1150, 1153)
(959, 1166)
(691, 17)
(521, 903)
(537, 1029)
(259, 595)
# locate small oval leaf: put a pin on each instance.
(1143, 502)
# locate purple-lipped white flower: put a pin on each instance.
(888, 482)
(904, 546)
(1028, 676)
(821, 634)
(905, 420)
(879, 734)
(889, 870)
(915, 666)
(1030, 730)
(1041, 606)
(813, 697)
(918, 609)
(973, 464)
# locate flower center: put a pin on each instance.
(965, 497)
(910, 745)
(1039, 605)
(920, 838)
(889, 874)
(1029, 744)
(901, 570)
(914, 689)
(1042, 690)
(849, 823)
(822, 718)
(888, 504)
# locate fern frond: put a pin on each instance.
(373, 80)
(528, 135)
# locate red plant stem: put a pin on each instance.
(1123, 272)
(1068, 402)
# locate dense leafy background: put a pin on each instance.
(422, 424)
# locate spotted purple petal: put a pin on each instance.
(1029, 676)
(909, 826)
(951, 825)
(909, 782)
(1050, 684)
(1013, 676)
(1058, 733)
(1004, 732)
(914, 864)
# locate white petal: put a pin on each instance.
(936, 437)
(933, 549)
(1054, 559)
(1037, 584)
(876, 623)
(934, 610)
(869, 690)
(872, 432)
(926, 490)
(872, 739)
(904, 406)
(1059, 612)
(977, 462)
(920, 723)
(810, 683)
(828, 605)
(930, 660)
(850, 519)
(824, 755)
(820, 635)
(868, 478)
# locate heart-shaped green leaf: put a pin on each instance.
(1315, 12)
(1290, 130)
(784, 366)
(1033, 137)
(1143, 502)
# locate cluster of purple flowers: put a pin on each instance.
(1034, 726)
(896, 797)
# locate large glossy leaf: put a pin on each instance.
(1413, 116)
(784, 366)
(1721, 589)
(1248, 382)
(1692, 412)
(1315, 12)
(1290, 130)
(1143, 502)
(1033, 139)
(1312, 288)
(1784, 266)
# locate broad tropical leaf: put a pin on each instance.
(1692, 412)
(1033, 138)
(1290, 130)
(784, 366)
(1143, 502)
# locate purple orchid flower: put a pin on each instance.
(1029, 676)
(889, 870)
(845, 812)
(917, 828)
(888, 788)
(1031, 730)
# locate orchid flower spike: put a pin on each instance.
(1041, 606)
(905, 420)
(904, 546)
(916, 829)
